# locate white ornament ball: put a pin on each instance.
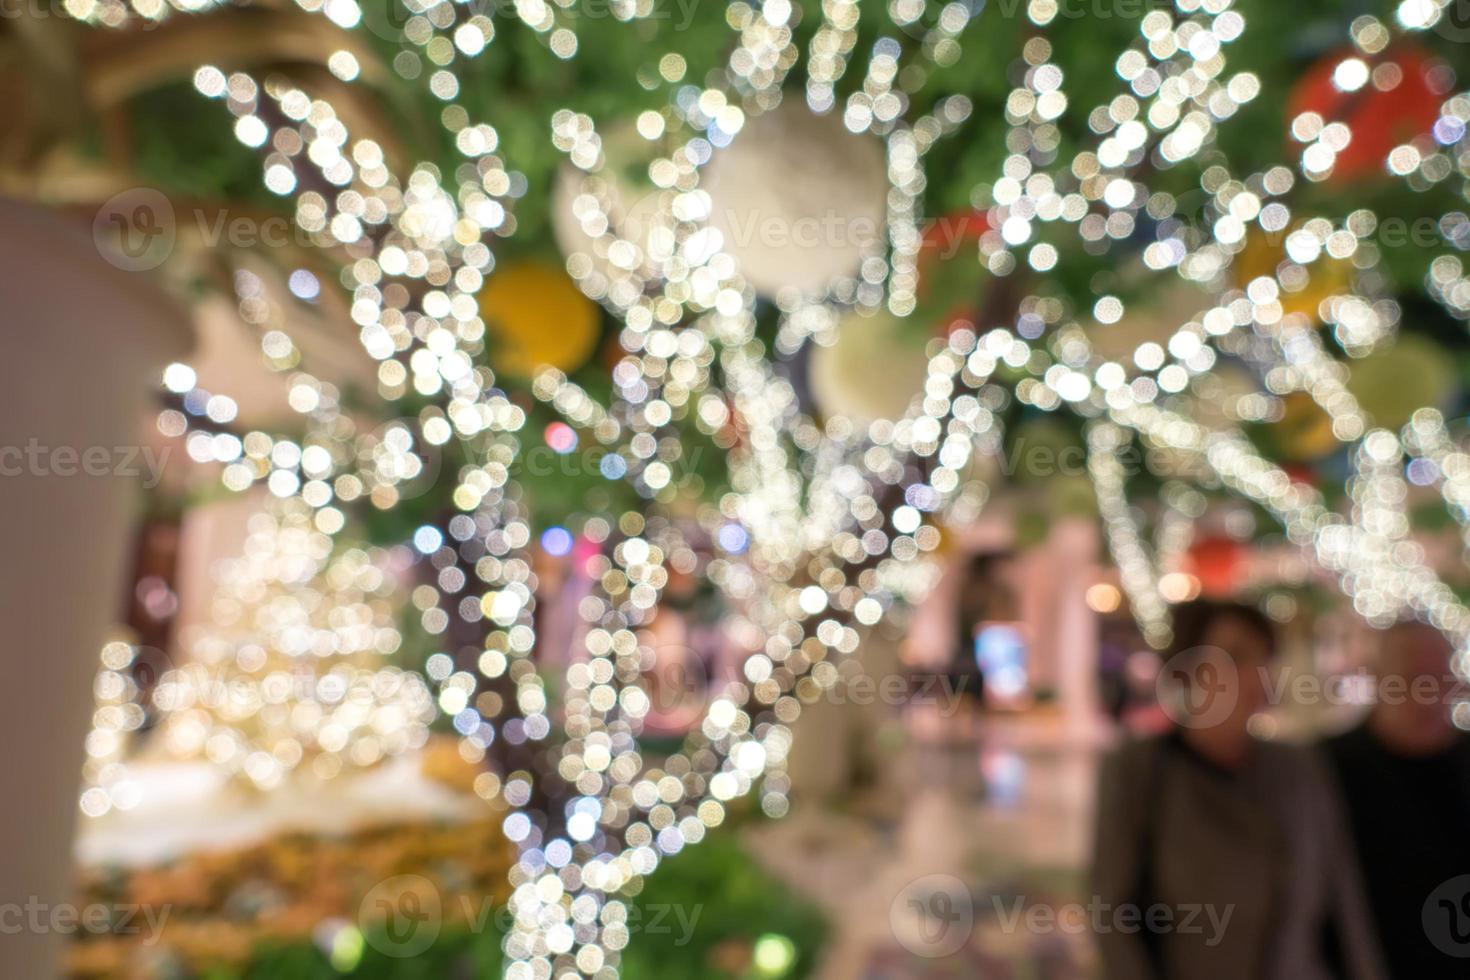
(586, 206)
(798, 199)
(872, 370)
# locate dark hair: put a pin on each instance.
(1193, 619)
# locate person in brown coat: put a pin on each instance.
(1219, 856)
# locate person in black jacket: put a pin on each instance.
(1405, 776)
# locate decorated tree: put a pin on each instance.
(291, 668)
(1156, 248)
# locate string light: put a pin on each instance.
(836, 520)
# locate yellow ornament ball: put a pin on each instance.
(1304, 430)
(1304, 287)
(1392, 383)
(535, 317)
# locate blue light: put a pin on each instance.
(733, 539)
(1422, 472)
(556, 541)
(613, 466)
(1000, 650)
(304, 285)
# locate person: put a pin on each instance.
(1405, 774)
(1217, 855)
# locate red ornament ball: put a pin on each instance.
(1218, 563)
(950, 269)
(1392, 103)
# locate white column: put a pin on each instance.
(1073, 545)
(84, 342)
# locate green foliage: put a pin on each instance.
(185, 145)
(692, 912)
(739, 903)
(460, 953)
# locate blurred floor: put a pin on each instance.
(995, 816)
